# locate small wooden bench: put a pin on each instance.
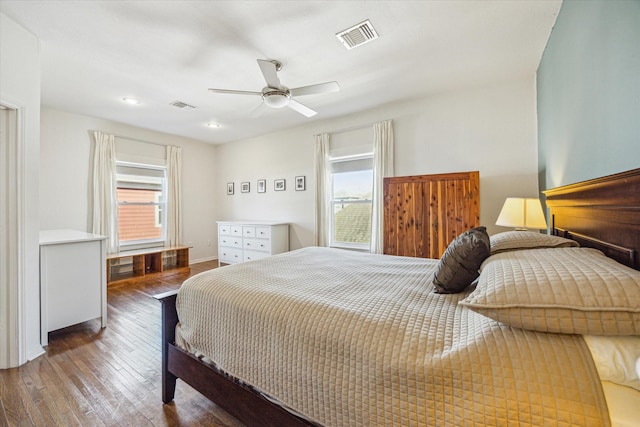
(142, 264)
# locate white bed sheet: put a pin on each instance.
(615, 359)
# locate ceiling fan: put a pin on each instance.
(275, 95)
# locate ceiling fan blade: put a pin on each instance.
(236, 92)
(315, 89)
(302, 109)
(270, 73)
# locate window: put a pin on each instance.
(351, 201)
(141, 205)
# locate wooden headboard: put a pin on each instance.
(602, 213)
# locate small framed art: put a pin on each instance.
(229, 188)
(300, 183)
(279, 185)
(244, 187)
(262, 186)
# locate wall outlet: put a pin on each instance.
(208, 242)
(189, 243)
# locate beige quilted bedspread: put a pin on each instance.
(351, 339)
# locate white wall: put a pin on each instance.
(491, 129)
(20, 89)
(66, 158)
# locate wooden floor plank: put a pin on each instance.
(91, 376)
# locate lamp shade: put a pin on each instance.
(521, 214)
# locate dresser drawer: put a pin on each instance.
(256, 244)
(263, 232)
(253, 255)
(224, 230)
(230, 255)
(248, 232)
(230, 241)
(236, 230)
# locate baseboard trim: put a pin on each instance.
(199, 260)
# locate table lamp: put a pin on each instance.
(522, 213)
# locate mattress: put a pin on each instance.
(350, 339)
(623, 403)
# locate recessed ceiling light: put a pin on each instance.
(213, 125)
(131, 101)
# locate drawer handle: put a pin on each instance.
(262, 246)
(248, 244)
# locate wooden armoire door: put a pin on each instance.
(424, 213)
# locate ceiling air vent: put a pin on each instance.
(182, 105)
(357, 35)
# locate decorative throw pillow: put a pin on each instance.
(459, 264)
(517, 240)
(563, 290)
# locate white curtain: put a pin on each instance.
(382, 168)
(105, 201)
(322, 188)
(174, 196)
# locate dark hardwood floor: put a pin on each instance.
(107, 377)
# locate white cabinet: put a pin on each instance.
(240, 241)
(73, 282)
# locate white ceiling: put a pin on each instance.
(94, 53)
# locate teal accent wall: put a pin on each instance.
(588, 88)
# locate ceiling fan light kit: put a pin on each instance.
(275, 95)
(276, 98)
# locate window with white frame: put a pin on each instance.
(351, 196)
(141, 191)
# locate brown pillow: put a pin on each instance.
(460, 263)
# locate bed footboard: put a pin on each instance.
(239, 400)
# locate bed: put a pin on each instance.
(326, 337)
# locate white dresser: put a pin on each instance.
(73, 279)
(241, 241)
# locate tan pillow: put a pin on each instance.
(566, 290)
(459, 264)
(516, 240)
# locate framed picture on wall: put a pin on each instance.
(262, 186)
(244, 187)
(279, 185)
(229, 188)
(300, 183)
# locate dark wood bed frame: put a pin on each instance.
(602, 213)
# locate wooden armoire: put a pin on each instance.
(424, 213)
